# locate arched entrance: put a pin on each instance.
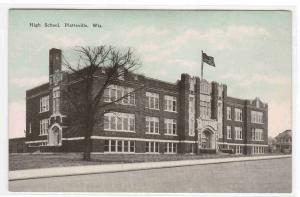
(207, 135)
(208, 140)
(54, 136)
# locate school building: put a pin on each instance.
(190, 116)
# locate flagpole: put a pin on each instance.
(201, 64)
(198, 137)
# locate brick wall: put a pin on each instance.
(33, 115)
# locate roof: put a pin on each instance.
(286, 133)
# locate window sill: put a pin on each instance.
(113, 152)
(171, 111)
(170, 134)
(113, 102)
(152, 133)
(237, 139)
(123, 131)
(152, 108)
(43, 134)
(156, 153)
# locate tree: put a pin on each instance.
(271, 140)
(86, 97)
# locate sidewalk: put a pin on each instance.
(108, 168)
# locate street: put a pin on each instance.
(262, 176)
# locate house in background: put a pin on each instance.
(192, 115)
(284, 141)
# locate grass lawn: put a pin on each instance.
(31, 161)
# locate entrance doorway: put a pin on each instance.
(207, 140)
(54, 136)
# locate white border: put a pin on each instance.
(154, 4)
(3, 101)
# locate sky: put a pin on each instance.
(252, 51)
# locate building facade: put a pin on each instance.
(17, 145)
(189, 116)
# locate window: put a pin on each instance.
(152, 147)
(257, 117)
(170, 147)
(56, 100)
(238, 114)
(205, 106)
(106, 146)
(220, 132)
(228, 113)
(44, 104)
(152, 125)
(170, 127)
(126, 146)
(44, 127)
(112, 145)
(238, 149)
(132, 146)
(191, 115)
(170, 104)
(220, 111)
(258, 150)
(152, 100)
(106, 122)
(114, 92)
(192, 127)
(119, 122)
(228, 128)
(119, 146)
(238, 133)
(257, 134)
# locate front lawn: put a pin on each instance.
(44, 160)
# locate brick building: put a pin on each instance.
(189, 116)
(17, 145)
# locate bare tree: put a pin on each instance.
(85, 91)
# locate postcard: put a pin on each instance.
(150, 100)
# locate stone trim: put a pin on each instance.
(235, 144)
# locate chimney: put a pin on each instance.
(54, 60)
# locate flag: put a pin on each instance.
(208, 59)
